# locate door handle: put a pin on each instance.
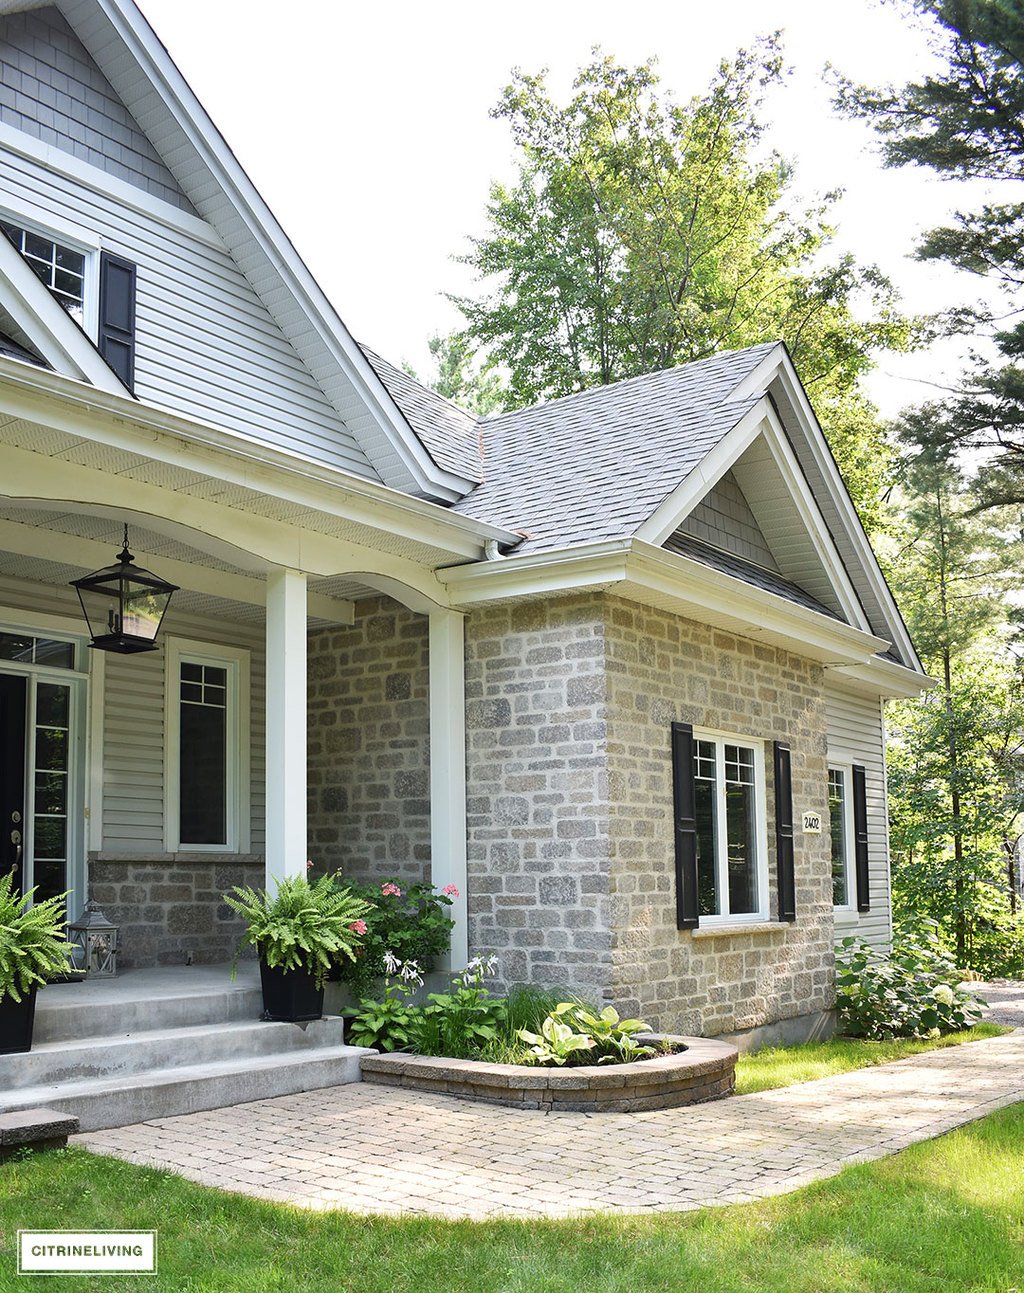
(16, 841)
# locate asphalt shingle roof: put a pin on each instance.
(596, 465)
(449, 434)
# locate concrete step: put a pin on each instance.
(126, 1054)
(163, 1093)
(179, 997)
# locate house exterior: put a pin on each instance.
(614, 667)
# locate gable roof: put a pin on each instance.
(142, 75)
(596, 465)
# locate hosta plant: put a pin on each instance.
(464, 1020)
(388, 1024)
(615, 1039)
(302, 926)
(33, 948)
(556, 1043)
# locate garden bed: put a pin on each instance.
(699, 1069)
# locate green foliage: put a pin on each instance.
(464, 1020)
(33, 948)
(965, 122)
(556, 1043)
(412, 924)
(391, 1023)
(642, 234)
(303, 926)
(912, 991)
(460, 377)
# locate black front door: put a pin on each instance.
(13, 691)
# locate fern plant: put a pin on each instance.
(303, 926)
(33, 948)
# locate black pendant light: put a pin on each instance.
(124, 605)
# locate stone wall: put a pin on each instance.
(660, 669)
(170, 908)
(537, 792)
(369, 751)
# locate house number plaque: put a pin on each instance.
(812, 823)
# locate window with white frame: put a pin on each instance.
(207, 756)
(60, 268)
(732, 878)
(840, 804)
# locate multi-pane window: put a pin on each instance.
(840, 825)
(23, 648)
(51, 772)
(207, 754)
(729, 808)
(61, 268)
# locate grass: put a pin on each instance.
(946, 1216)
(777, 1066)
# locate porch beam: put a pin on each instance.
(448, 769)
(89, 554)
(286, 848)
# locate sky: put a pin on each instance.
(367, 130)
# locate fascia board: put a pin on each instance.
(51, 330)
(669, 572)
(757, 381)
(69, 405)
(673, 510)
(785, 372)
(800, 490)
(261, 225)
(884, 678)
(584, 567)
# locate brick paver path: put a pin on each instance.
(376, 1149)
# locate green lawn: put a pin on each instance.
(946, 1216)
(783, 1065)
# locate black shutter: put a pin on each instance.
(784, 831)
(684, 800)
(860, 838)
(117, 316)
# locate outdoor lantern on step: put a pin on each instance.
(95, 941)
(124, 605)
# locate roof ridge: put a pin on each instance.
(626, 381)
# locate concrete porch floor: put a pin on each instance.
(151, 984)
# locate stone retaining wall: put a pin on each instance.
(706, 1070)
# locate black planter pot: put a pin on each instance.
(16, 1021)
(290, 996)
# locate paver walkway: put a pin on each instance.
(379, 1150)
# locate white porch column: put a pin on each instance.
(448, 769)
(286, 725)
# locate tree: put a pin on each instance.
(459, 377)
(642, 234)
(967, 121)
(956, 756)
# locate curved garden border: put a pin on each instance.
(706, 1070)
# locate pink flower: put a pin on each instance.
(309, 865)
(389, 890)
(359, 926)
(450, 891)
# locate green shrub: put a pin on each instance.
(390, 1023)
(33, 948)
(912, 991)
(412, 924)
(303, 926)
(463, 1021)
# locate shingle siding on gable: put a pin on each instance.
(724, 519)
(51, 89)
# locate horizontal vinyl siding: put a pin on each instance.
(206, 346)
(856, 734)
(133, 796)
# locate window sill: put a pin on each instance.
(846, 919)
(729, 931)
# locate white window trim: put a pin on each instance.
(239, 818)
(846, 913)
(761, 915)
(75, 238)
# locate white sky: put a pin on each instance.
(366, 128)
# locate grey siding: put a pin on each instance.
(856, 734)
(52, 89)
(206, 344)
(724, 519)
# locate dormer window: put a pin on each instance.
(61, 268)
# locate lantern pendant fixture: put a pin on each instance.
(124, 605)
